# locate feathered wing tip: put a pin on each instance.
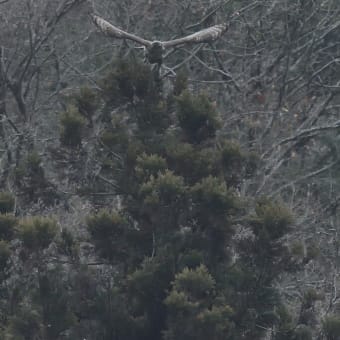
(115, 32)
(206, 35)
(211, 33)
(106, 27)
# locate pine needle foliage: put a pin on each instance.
(271, 220)
(149, 165)
(72, 125)
(126, 80)
(8, 224)
(197, 116)
(331, 327)
(7, 202)
(37, 233)
(87, 102)
(108, 231)
(163, 189)
(5, 254)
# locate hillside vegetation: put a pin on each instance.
(201, 204)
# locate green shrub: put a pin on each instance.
(5, 254)
(143, 80)
(331, 327)
(30, 178)
(7, 202)
(33, 163)
(108, 232)
(36, 233)
(133, 149)
(215, 323)
(197, 116)
(191, 259)
(231, 154)
(193, 309)
(272, 219)
(72, 124)
(285, 325)
(313, 251)
(181, 158)
(127, 79)
(149, 283)
(252, 163)
(116, 136)
(163, 190)
(7, 226)
(194, 164)
(152, 115)
(30, 168)
(303, 332)
(110, 87)
(87, 102)
(181, 83)
(297, 249)
(112, 138)
(149, 165)
(196, 283)
(109, 138)
(310, 296)
(104, 224)
(25, 325)
(67, 244)
(212, 195)
(178, 302)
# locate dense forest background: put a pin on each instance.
(202, 205)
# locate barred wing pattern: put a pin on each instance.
(205, 35)
(116, 32)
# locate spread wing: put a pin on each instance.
(116, 32)
(208, 34)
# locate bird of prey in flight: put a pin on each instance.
(155, 49)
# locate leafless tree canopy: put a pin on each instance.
(272, 73)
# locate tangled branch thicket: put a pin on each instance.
(205, 204)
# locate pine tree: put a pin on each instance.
(175, 231)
